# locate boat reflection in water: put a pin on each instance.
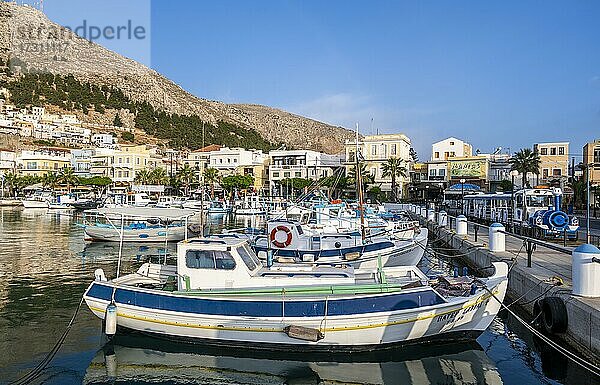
(136, 359)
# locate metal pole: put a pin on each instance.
(587, 213)
(512, 205)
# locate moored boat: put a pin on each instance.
(137, 224)
(219, 293)
(289, 242)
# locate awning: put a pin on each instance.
(144, 212)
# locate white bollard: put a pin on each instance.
(497, 239)
(443, 219)
(461, 225)
(431, 215)
(585, 271)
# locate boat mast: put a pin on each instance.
(359, 191)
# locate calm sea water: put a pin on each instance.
(45, 267)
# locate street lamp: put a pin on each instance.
(462, 196)
(426, 195)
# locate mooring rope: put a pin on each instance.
(39, 368)
(567, 353)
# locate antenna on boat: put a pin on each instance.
(358, 177)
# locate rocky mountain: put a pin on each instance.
(35, 44)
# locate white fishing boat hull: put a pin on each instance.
(410, 254)
(399, 253)
(34, 204)
(97, 233)
(360, 330)
(242, 211)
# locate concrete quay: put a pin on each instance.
(528, 284)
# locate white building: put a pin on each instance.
(229, 159)
(81, 161)
(305, 164)
(449, 148)
(437, 171)
(8, 161)
(104, 140)
(102, 162)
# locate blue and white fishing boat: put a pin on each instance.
(219, 293)
(289, 242)
(137, 224)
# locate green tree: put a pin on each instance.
(51, 180)
(579, 193)
(525, 161)
(11, 182)
(127, 136)
(186, 176)
(117, 121)
(67, 177)
(336, 184)
(375, 194)
(211, 176)
(393, 168)
(142, 177)
(158, 176)
(505, 185)
(232, 183)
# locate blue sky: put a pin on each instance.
(495, 74)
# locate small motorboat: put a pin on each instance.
(219, 293)
(39, 200)
(137, 224)
(251, 205)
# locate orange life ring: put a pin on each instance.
(275, 242)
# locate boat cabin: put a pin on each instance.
(230, 262)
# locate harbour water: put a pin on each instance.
(45, 267)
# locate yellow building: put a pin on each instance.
(554, 161)
(374, 151)
(591, 162)
(41, 161)
(129, 159)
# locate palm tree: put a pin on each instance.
(51, 180)
(142, 177)
(186, 176)
(525, 161)
(393, 168)
(67, 176)
(211, 176)
(11, 181)
(158, 176)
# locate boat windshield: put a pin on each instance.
(248, 256)
(539, 201)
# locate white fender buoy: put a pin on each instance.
(110, 319)
(99, 275)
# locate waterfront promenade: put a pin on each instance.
(550, 274)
